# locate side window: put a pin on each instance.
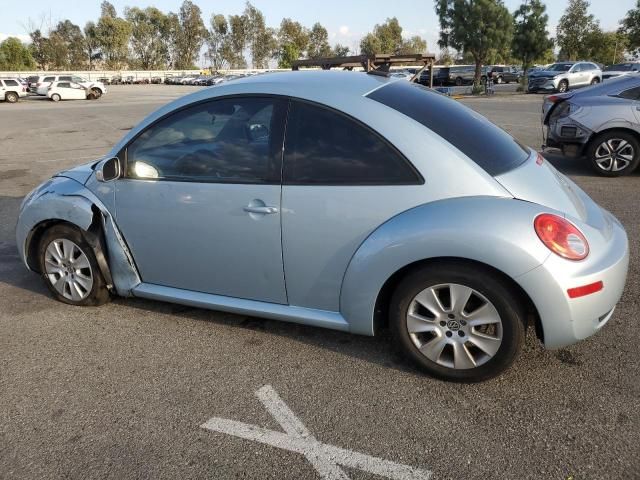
(11, 83)
(64, 85)
(77, 79)
(231, 140)
(631, 94)
(49, 79)
(65, 78)
(324, 147)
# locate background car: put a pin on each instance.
(601, 122)
(11, 90)
(97, 89)
(502, 74)
(563, 76)
(57, 91)
(375, 212)
(618, 69)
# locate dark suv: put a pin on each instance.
(504, 74)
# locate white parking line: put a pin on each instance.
(324, 457)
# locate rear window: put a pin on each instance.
(489, 146)
(11, 83)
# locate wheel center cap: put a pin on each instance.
(453, 325)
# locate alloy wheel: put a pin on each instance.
(68, 269)
(614, 154)
(454, 326)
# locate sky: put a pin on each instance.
(347, 20)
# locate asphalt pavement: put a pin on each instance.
(125, 390)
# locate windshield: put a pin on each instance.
(560, 67)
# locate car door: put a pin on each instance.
(77, 91)
(341, 181)
(199, 204)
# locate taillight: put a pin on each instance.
(561, 236)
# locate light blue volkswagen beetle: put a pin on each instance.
(341, 200)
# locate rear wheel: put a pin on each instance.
(457, 322)
(55, 97)
(69, 267)
(614, 153)
(11, 97)
(499, 80)
(96, 93)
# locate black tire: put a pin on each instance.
(563, 86)
(494, 289)
(11, 97)
(459, 82)
(99, 294)
(498, 80)
(96, 93)
(613, 136)
(55, 97)
(595, 81)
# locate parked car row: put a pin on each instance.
(44, 84)
(204, 80)
(459, 75)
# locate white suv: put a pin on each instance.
(44, 81)
(11, 90)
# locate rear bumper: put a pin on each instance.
(568, 320)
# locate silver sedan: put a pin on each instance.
(341, 200)
(601, 123)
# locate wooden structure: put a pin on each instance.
(378, 63)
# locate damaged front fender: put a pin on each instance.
(62, 199)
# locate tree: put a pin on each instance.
(262, 42)
(236, 41)
(340, 50)
(112, 34)
(445, 57)
(630, 27)
(190, 36)
(318, 42)
(415, 44)
(293, 41)
(216, 41)
(607, 47)
(475, 27)
(15, 56)
(149, 33)
(39, 49)
(575, 31)
(387, 38)
(91, 44)
(530, 39)
(66, 43)
(107, 9)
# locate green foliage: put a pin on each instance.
(318, 42)
(112, 34)
(15, 56)
(607, 47)
(190, 35)
(340, 51)
(630, 27)
(91, 44)
(530, 39)
(387, 38)
(261, 39)
(218, 32)
(475, 27)
(288, 53)
(236, 41)
(576, 32)
(107, 9)
(293, 41)
(445, 57)
(150, 30)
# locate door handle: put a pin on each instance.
(266, 210)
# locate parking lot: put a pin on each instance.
(123, 390)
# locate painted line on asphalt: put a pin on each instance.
(325, 458)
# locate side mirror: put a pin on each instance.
(108, 170)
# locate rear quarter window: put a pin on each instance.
(487, 145)
(11, 83)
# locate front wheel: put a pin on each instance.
(614, 153)
(457, 322)
(563, 86)
(11, 97)
(55, 97)
(96, 93)
(69, 267)
(595, 81)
